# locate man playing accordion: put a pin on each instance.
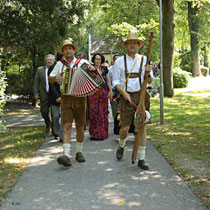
(72, 107)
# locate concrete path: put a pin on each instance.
(16, 121)
(100, 183)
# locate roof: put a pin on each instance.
(101, 46)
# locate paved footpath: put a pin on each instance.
(100, 183)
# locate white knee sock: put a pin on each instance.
(79, 147)
(122, 143)
(66, 149)
(141, 152)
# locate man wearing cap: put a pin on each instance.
(130, 91)
(71, 107)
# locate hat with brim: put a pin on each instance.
(132, 37)
(67, 42)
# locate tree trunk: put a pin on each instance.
(205, 57)
(168, 45)
(194, 36)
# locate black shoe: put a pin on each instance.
(79, 157)
(61, 140)
(64, 160)
(143, 165)
(119, 153)
(56, 136)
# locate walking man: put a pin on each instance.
(71, 107)
(41, 89)
(129, 86)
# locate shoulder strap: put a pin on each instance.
(126, 72)
(140, 69)
(62, 70)
(77, 62)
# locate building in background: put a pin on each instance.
(101, 46)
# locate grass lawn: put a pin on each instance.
(17, 146)
(184, 139)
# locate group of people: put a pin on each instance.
(121, 81)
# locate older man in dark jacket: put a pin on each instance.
(41, 89)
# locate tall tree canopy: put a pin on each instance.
(31, 29)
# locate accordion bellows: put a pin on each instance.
(80, 82)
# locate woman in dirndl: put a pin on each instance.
(98, 103)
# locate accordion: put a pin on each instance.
(80, 81)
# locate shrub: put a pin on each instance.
(204, 71)
(3, 84)
(180, 78)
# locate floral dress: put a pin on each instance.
(98, 111)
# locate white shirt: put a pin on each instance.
(111, 73)
(59, 65)
(118, 72)
(46, 79)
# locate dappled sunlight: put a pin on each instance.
(16, 160)
(134, 203)
(140, 178)
(102, 162)
(109, 169)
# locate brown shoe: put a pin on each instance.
(64, 160)
(119, 153)
(47, 129)
(142, 164)
(79, 157)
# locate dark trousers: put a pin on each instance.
(45, 109)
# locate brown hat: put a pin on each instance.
(67, 42)
(132, 37)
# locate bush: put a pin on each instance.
(204, 71)
(185, 60)
(3, 84)
(180, 78)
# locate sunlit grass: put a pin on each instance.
(185, 134)
(17, 146)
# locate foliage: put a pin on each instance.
(183, 139)
(185, 60)
(32, 29)
(205, 71)
(182, 33)
(3, 84)
(16, 150)
(180, 78)
(117, 18)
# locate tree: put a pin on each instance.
(193, 18)
(168, 45)
(31, 29)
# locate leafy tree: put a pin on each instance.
(193, 18)
(31, 29)
(168, 45)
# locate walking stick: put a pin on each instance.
(140, 116)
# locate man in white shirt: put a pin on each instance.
(130, 91)
(71, 107)
(41, 89)
(113, 103)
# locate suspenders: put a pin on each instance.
(133, 75)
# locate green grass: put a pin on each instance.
(184, 139)
(17, 146)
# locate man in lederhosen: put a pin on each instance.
(130, 91)
(72, 108)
